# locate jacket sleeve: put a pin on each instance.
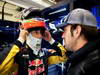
(61, 51)
(59, 48)
(8, 62)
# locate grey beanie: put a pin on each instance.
(79, 16)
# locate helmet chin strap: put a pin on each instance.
(34, 43)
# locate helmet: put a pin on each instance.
(30, 13)
(33, 23)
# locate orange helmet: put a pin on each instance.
(32, 23)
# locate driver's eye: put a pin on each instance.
(37, 32)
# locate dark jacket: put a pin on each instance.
(85, 61)
(29, 63)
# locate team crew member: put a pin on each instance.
(81, 37)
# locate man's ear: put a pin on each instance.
(77, 31)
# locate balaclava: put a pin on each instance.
(34, 43)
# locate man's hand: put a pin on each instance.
(23, 35)
(47, 36)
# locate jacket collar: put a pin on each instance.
(84, 51)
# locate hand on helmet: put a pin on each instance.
(47, 36)
(22, 35)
